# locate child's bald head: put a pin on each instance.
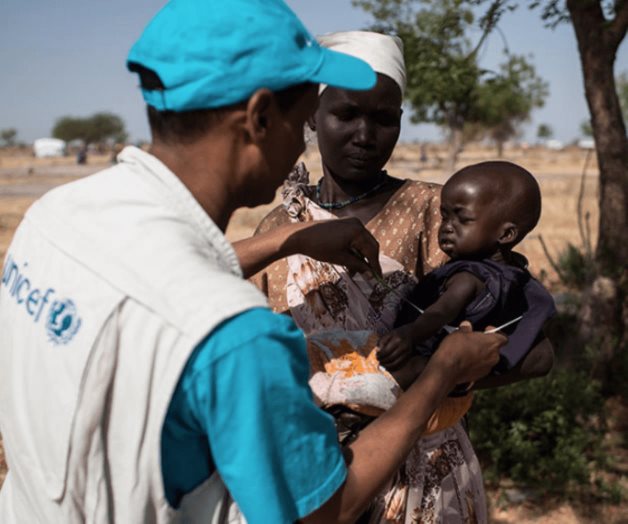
(488, 206)
(511, 191)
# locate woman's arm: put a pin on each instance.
(334, 241)
(384, 444)
(537, 363)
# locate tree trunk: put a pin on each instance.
(604, 305)
(500, 148)
(454, 144)
(597, 54)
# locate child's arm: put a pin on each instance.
(396, 347)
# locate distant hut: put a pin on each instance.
(49, 147)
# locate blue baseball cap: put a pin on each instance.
(214, 53)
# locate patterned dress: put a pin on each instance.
(441, 481)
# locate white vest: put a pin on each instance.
(109, 284)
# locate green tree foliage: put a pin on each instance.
(446, 85)
(544, 132)
(95, 129)
(8, 136)
(586, 129)
(503, 102)
(442, 71)
(69, 128)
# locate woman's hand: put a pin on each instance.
(538, 362)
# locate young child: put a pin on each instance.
(487, 209)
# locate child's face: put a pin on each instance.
(469, 227)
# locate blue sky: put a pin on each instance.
(68, 58)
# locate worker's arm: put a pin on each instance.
(276, 451)
(335, 241)
(381, 447)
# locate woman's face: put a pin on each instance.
(357, 130)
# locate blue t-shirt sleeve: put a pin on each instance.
(274, 448)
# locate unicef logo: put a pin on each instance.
(63, 321)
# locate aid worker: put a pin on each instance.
(141, 378)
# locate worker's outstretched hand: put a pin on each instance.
(345, 242)
(468, 355)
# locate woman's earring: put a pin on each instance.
(309, 134)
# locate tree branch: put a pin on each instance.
(581, 217)
(550, 259)
(489, 21)
(619, 25)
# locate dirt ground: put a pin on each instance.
(23, 179)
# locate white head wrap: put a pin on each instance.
(384, 53)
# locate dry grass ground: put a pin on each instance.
(23, 179)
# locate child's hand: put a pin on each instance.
(396, 348)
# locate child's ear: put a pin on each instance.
(509, 233)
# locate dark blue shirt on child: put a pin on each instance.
(509, 292)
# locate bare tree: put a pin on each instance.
(600, 26)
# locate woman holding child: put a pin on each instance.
(441, 481)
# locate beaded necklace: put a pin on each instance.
(349, 201)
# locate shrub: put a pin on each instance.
(575, 267)
(541, 433)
